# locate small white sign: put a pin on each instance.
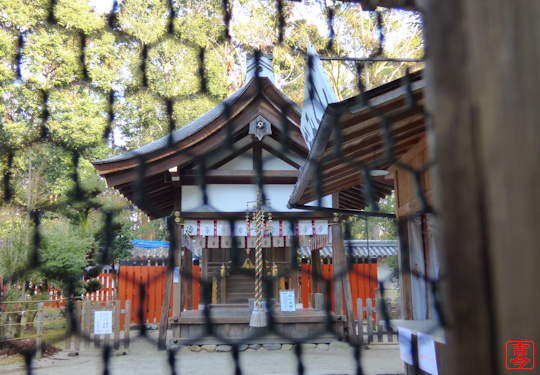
(102, 322)
(427, 360)
(286, 298)
(176, 275)
(405, 347)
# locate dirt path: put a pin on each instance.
(143, 358)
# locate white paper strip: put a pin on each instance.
(321, 227)
(427, 360)
(278, 241)
(213, 242)
(200, 242)
(226, 242)
(240, 228)
(305, 228)
(405, 347)
(190, 228)
(240, 242)
(287, 230)
(251, 242)
(223, 228)
(207, 228)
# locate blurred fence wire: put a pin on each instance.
(383, 122)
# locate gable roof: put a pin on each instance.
(143, 175)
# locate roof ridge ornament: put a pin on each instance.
(259, 65)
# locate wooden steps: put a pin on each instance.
(240, 288)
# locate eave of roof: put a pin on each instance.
(354, 118)
(204, 135)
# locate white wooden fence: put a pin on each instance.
(83, 328)
(372, 320)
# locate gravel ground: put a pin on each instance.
(143, 358)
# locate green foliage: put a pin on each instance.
(393, 264)
(386, 227)
(76, 119)
(189, 108)
(145, 20)
(93, 286)
(13, 250)
(63, 251)
(43, 169)
(79, 15)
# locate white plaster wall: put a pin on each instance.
(270, 162)
(242, 162)
(233, 198)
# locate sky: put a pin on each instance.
(102, 6)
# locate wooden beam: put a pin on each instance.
(292, 215)
(257, 156)
(281, 156)
(225, 176)
(373, 148)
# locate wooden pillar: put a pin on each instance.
(178, 288)
(204, 272)
(187, 276)
(482, 96)
(294, 279)
(342, 285)
(338, 260)
(316, 274)
(405, 277)
(172, 287)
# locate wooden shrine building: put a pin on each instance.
(363, 142)
(207, 176)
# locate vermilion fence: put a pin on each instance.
(106, 293)
(363, 279)
(152, 278)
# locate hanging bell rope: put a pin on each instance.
(258, 317)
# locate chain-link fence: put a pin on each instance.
(380, 129)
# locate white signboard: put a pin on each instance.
(286, 298)
(176, 275)
(405, 347)
(427, 360)
(102, 322)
